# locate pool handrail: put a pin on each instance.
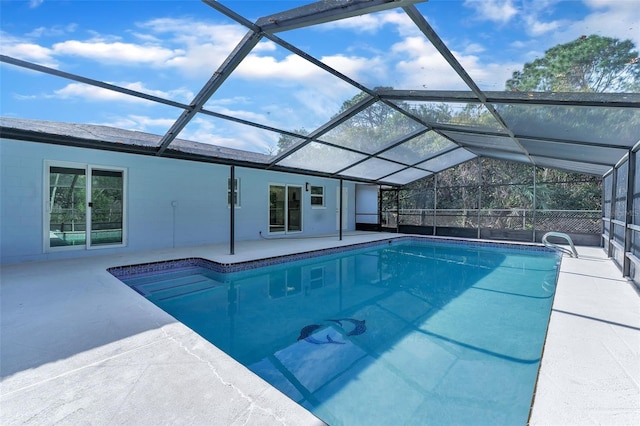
(572, 252)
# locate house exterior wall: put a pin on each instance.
(169, 202)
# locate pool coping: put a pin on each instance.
(134, 270)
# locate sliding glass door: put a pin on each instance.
(106, 207)
(81, 212)
(294, 209)
(67, 207)
(285, 208)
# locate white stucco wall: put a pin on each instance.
(200, 190)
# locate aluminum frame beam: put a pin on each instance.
(241, 20)
(134, 93)
(326, 11)
(607, 100)
(391, 145)
(437, 42)
(331, 124)
(332, 10)
(249, 41)
(456, 129)
(89, 81)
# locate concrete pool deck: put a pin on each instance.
(79, 347)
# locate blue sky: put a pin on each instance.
(171, 48)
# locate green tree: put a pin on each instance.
(376, 113)
(364, 125)
(286, 141)
(588, 64)
(371, 128)
(570, 191)
(434, 113)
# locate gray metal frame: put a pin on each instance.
(327, 11)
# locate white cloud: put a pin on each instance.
(236, 100)
(404, 26)
(35, 3)
(194, 48)
(55, 31)
(268, 67)
(94, 93)
(265, 46)
(140, 123)
(248, 115)
(181, 94)
(424, 67)
(610, 18)
(21, 97)
(188, 31)
(299, 77)
(490, 76)
(361, 24)
(537, 28)
(629, 5)
(116, 52)
(32, 53)
(323, 107)
(229, 134)
(197, 61)
(78, 90)
(373, 23)
(302, 105)
(536, 17)
(146, 38)
(203, 46)
(471, 48)
(500, 11)
(293, 70)
(26, 50)
(358, 67)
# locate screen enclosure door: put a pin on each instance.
(81, 212)
(285, 208)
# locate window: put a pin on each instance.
(317, 196)
(85, 206)
(236, 192)
(285, 283)
(316, 278)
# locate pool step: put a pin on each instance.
(166, 288)
(162, 283)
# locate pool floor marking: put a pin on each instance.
(306, 333)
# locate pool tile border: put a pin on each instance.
(142, 269)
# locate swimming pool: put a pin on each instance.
(408, 332)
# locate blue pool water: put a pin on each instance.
(402, 333)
